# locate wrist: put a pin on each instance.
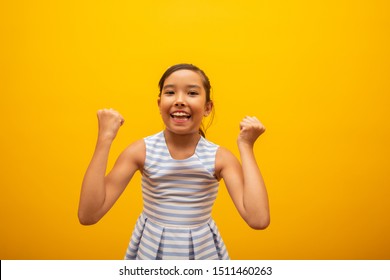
(242, 144)
(104, 140)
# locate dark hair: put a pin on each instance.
(206, 85)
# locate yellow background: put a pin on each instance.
(316, 73)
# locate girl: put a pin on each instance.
(180, 171)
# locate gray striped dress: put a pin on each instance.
(178, 196)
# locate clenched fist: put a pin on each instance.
(109, 123)
(250, 129)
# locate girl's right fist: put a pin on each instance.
(109, 123)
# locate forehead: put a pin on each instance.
(184, 77)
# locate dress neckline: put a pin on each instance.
(169, 152)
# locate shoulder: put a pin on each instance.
(224, 154)
(207, 146)
(154, 141)
(224, 159)
(135, 153)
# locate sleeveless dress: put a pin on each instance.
(178, 196)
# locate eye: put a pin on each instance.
(193, 93)
(170, 92)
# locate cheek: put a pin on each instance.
(162, 105)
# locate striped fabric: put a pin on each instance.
(178, 197)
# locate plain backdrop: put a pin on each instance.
(316, 73)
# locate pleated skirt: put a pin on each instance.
(152, 240)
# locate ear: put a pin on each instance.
(208, 108)
(158, 104)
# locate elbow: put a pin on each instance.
(86, 220)
(259, 224)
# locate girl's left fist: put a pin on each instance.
(250, 129)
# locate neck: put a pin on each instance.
(181, 140)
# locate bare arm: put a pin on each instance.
(244, 181)
(100, 191)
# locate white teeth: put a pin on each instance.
(180, 114)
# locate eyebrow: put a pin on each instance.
(189, 86)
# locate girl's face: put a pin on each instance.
(183, 103)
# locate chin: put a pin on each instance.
(181, 131)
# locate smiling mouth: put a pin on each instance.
(180, 116)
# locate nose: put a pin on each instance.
(179, 100)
